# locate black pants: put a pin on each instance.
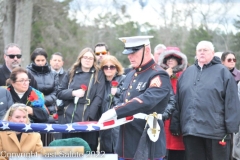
(198, 148)
(90, 137)
(175, 155)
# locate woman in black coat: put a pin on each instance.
(45, 77)
(114, 78)
(82, 91)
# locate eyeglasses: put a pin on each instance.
(231, 59)
(89, 58)
(24, 80)
(103, 53)
(12, 56)
(109, 67)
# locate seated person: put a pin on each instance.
(12, 142)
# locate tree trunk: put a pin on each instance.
(8, 23)
(23, 27)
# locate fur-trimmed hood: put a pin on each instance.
(175, 53)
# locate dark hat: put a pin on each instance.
(133, 44)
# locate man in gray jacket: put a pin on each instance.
(207, 100)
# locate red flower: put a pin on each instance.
(222, 143)
(55, 116)
(32, 97)
(84, 87)
(114, 83)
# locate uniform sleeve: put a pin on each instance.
(159, 87)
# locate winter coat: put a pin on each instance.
(47, 83)
(145, 90)
(207, 100)
(5, 101)
(30, 144)
(40, 114)
(85, 110)
(108, 138)
(173, 142)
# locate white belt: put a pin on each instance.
(153, 131)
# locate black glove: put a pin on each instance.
(175, 126)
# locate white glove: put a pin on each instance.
(78, 93)
(108, 115)
(113, 90)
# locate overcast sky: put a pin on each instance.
(148, 13)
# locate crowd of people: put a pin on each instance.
(195, 108)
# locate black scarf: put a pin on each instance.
(17, 99)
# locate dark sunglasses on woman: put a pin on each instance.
(109, 67)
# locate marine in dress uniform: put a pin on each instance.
(145, 90)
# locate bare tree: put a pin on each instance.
(23, 27)
(17, 25)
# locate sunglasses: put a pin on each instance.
(13, 56)
(103, 53)
(109, 67)
(231, 59)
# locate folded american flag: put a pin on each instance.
(63, 128)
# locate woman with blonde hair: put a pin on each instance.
(82, 91)
(114, 78)
(12, 142)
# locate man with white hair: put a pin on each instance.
(208, 105)
(158, 50)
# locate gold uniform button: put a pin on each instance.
(128, 93)
(135, 74)
(130, 87)
(134, 80)
(126, 100)
(140, 69)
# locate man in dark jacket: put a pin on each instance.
(145, 90)
(209, 108)
(12, 57)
